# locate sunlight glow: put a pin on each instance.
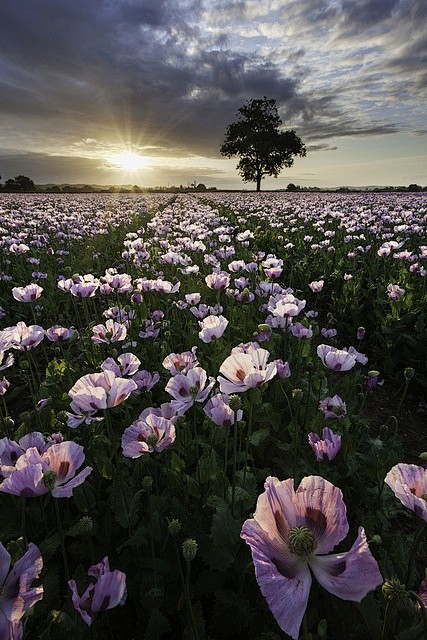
(127, 161)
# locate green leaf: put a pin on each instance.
(193, 488)
(259, 436)
(48, 546)
(207, 466)
(225, 535)
(177, 464)
(158, 625)
(124, 503)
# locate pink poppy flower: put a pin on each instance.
(333, 408)
(108, 591)
(219, 411)
(35, 474)
(16, 593)
(145, 381)
(218, 280)
(212, 328)
(245, 371)
(192, 298)
(97, 391)
(336, 359)
(85, 288)
(27, 294)
(285, 306)
(127, 365)
(395, 292)
(316, 286)
(291, 533)
(110, 332)
(177, 363)
(25, 337)
(148, 434)
(9, 360)
(189, 388)
(409, 483)
(327, 447)
(56, 333)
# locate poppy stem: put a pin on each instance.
(306, 635)
(233, 485)
(61, 535)
(248, 436)
(386, 622)
(188, 601)
(418, 537)
(23, 521)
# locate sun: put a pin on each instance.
(127, 161)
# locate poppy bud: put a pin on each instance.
(235, 402)
(409, 373)
(189, 549)
(393, 590)
(174, 527)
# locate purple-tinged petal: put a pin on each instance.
(96, 570)
(422, 592)
(26, 482)
(284, 579)
(320, 507)
(66, 490)
(34, 439)
(409, 484)
(280, 498)
(5, 627)
(351, 575)
(109, 591)
(4, 564)
(64, 459)
(82, 604)
(17, 594)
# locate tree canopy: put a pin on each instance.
(19, 184)
(257, 138)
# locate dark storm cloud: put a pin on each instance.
(171, 74)
(99, 64)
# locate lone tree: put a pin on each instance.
(256, 137)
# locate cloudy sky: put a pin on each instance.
(83, 82)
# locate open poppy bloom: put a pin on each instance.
(16, 593)
(409, 484)
(291, 533)
(107, 592)
(245, 371)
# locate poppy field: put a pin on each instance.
(187, 385)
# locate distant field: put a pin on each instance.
(168, 354)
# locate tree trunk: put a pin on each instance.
(258, 183)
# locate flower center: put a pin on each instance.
(49, 480)
(301, 542)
